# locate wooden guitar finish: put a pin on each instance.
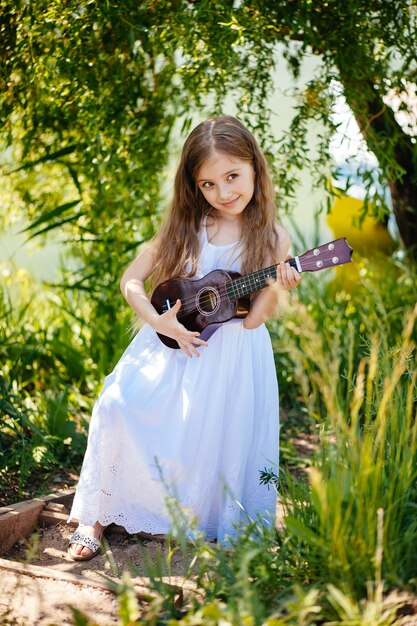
(210, 307)
(220, 295)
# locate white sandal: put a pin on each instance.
(91, 543)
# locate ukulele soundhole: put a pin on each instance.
(208, 301)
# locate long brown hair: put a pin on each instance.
(178, 239)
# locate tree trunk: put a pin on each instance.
(385, 137)
(404, 199)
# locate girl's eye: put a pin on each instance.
(209, 185)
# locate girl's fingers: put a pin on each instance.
(197, 341)
(287, 276)
(189, 341)
(188, 348)
(174, 310)
(194, 343)
(186, 339)
(184, 348)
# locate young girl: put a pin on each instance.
(203, 419)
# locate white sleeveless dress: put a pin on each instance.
(201, 428)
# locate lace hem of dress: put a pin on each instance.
(135, 526)
(157, 526)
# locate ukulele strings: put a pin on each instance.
(221, 290)
(205, 300)
(184, 310)
(309, 261)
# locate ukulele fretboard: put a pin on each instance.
(245, 285)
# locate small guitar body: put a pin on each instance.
(205, 304)
(208, 302)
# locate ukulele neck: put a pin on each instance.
(245, 285)
(330, 254)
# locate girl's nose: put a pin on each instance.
(224, 192)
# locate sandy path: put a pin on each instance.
(43, 601)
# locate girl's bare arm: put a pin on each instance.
(265, 303)
(132, 286)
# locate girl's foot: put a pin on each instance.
(85, 542)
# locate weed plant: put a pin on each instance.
(346, 362)
(349, 533)
(353, 356)
(48, 380)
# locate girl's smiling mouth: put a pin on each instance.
(230, 203)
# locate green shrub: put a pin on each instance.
(48, 378)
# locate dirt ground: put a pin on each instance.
(36, 600)
(42, 594)
(28, 599)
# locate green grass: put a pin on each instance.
(48, 380)
(350, 530)
(346, 366)
(349, 533)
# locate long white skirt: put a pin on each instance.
(201, 428)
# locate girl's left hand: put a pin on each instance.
(287, 276)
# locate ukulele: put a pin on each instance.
(208, 302)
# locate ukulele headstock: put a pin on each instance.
(337, 252)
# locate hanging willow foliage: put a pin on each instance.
(91, 92)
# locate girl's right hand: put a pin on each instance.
(168, 324)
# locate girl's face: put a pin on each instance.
(227, 183)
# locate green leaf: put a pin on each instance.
(303, 532)
(55, 225)
(52, 156)
(46, 217)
